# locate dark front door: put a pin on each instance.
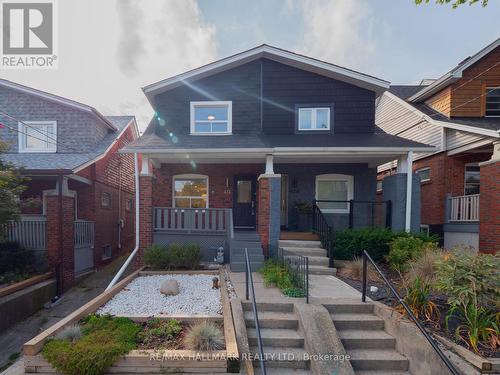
(244, 201)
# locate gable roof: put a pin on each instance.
(273, 53)
(453, 75)
(58, 99)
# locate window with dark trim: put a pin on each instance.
(106, 252)
(313, 118)
(472, 179)
(425, 174)
(492, 102)
(105, 200)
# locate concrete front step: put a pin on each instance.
(357, 321)
(272, 319)
(297, 243)
(304, 251)
(366, 339)
(349, 307)
(377, 359)
(321, 270)
(282, 357)
(278, 337)
(268, 306)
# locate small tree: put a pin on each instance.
(454, 3)
(11, 187)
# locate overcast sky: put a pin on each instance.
(109, 49)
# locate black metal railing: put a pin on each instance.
(324, 231)
(250, 288)
(298, 268)
(367, 258)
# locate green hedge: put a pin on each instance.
(175, 256)
(350, 243)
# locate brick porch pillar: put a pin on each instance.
(268, 212)
(60, 245)
(145, 211)
(489, 204)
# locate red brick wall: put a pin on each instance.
(218, 195)
(263, 200)
(145, 217)
(489, 225)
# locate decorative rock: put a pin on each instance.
(169, 287)
(215, 282)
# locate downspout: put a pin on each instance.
(134, 252)
(409, 182)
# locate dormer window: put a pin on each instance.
(492, 102)
(211, 118)
(37, 136)
(313, 118)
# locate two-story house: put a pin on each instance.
(80, 188)
(235, 144)
(458, 113)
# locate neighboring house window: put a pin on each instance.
(211, 117)
(471, 179)
(105, 200)
(317, 118)
(334, 187)
(425, 174)
(37, 136)
(379, 185)
(106, 252)
(190, 191)
(492, 102)
(129, 205)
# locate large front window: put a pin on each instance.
(190, 191)
(211, 118)
(37, 136)
(333, 191)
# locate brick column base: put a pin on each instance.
(268, 212)
(489, 208)
(145, 217)
(60, 248)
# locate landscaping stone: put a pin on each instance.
(169, 287)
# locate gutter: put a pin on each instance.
(134, 252)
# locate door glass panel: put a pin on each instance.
(244, 194)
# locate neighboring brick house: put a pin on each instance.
(238, 142)
(459, 114)
(82, 188)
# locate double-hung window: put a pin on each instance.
(190, 191)
(334, 191)
(313, 118)
(472, 179)
(211, 118)
(492, 102)
(37, 136)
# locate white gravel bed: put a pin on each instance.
(142, 297)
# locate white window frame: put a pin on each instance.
(337, 177)
(229, 105)
(313, 118)
(424, 169)
(22, 134)
(486, 98)
(187, 177)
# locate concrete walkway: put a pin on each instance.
(12, 340)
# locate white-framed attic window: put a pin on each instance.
(336, 188)
(310, 119)
(211, 117)
(37, 136)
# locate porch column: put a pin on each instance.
(60, 216)
(403, 190)
(145, 210)
(268, 210)
(489, 203)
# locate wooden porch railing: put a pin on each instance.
(84, 233)
(189, 220)
(465, 208)
(28, 232)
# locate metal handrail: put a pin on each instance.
(366, 258)
(249, 283)
(324, 231)
(299, 265)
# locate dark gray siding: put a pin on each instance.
(285, 86)
(282, 87)
(240, 85)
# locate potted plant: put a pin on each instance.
(304, 215)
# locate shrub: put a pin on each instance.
(160, 329)
(281, 275)
(354, 270)
(71, 333)
(204, 336)
(418, 300)
(192, 256)
(424, 267)
(350, 243)
(402, 250)
(104, 340)
(156, 257)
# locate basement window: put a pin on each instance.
(106, 252)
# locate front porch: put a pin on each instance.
(206, 200)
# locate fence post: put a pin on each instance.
(388, 214)
(351, 214)
(365, 269)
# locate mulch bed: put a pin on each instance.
(385, 296)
